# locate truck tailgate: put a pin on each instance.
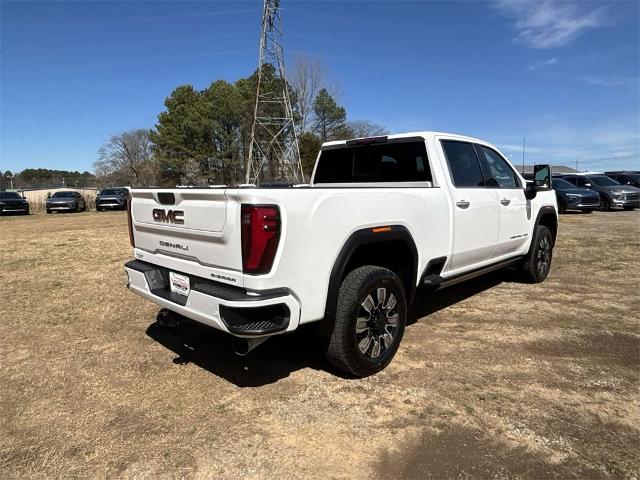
(198, 226)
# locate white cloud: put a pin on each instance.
(545, 63)
(513, 147)
(549, 24)
(610, 144)
(611, 80)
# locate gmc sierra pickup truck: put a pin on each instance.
(380, 217)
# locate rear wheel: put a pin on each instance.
(538, 261)
(370, 320)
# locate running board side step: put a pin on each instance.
(463, 277)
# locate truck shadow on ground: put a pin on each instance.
(283, 354)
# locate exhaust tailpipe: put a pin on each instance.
(242, 346)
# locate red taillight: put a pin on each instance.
(260, 236)
(130, 223)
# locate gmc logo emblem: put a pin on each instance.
(168, 216)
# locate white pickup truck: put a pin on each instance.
(381, 217)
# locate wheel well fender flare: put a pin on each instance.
(547, 216)
(370, 236)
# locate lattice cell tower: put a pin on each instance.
(273, 152)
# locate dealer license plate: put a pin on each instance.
(179, 283)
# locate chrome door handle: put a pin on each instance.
(463, 204)
(505, 201)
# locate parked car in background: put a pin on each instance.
(12, 202)
(612, 194)
(113, 198)
(625, 178)
(66, 201)
(571, 197)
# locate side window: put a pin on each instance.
(571, 180)
(581, 181)
(496, 169)
(463, 164)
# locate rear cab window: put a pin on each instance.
(395, 161)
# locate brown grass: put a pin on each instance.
(494, 379)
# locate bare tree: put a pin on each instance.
(364, 128)
(128, 154)
(307, 77)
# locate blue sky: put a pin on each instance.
(563, 75)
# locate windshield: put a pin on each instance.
(9, 196)
(63, 195)
(114, 191)
(603, 181)
(560, 184)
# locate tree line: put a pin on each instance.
(45, 178)
(203, 136)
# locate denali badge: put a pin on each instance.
(168, 216)
(174, 245)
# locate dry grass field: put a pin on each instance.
(494, 379)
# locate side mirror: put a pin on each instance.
(541, 181)
(542, 176)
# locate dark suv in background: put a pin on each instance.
(612, 194)
(571, 197)
(625, 178)
(12, 202)
(112, 198)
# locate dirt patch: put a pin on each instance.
(461, 452)
(615, 348)
(494, 378)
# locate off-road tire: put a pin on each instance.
(538, 260)
(343, 350)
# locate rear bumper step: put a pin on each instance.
(231, 309)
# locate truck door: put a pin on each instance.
(515, 218)
(476, 213)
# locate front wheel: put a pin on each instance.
(605, 204)
(370, 320)
(538, 261)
